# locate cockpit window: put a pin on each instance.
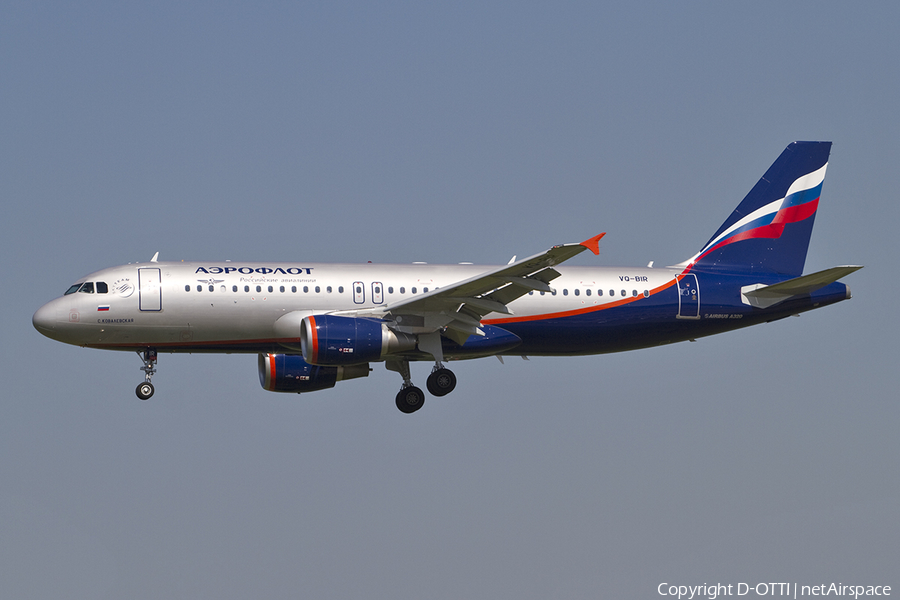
(72, 289)
(102, 288)
(87, 287)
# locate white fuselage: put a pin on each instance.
(235, 307)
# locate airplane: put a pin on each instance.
(315, 324)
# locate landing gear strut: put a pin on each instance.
(145, 390)
(442, 380)
(440, 383)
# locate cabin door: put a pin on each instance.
(149, 289)
(688, 297)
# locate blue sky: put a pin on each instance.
(400, 132)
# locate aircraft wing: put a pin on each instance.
(460, 306)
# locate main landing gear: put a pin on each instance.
(440, 383)
(410, 398)
(145, 390)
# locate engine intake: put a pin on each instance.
(330, 340)
(290, 373)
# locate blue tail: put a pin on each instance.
(769, 231)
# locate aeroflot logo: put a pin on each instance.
(251, 270)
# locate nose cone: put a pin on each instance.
(44, 320)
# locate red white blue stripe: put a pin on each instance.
(769, 221)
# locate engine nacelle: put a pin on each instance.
(290, 373)
(331, 340)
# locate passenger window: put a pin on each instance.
(281, 289)
(565, 291)
(211, 288)
(318, 289)
(72, 289)
(587, 292)
(270, 289)
(612, 292)
(402, 290)
(424, 290)
(577, 292)
(623, 293)
(599, 292)
(187, 288)
(199, 288)
(341, 290)
(634, 293)
(258, 289)
(87, 288)
(390, 289)
(305, 289)
(246, 288)
(293, 289)
(102, 288)
(646, 294)
(234, 288)
(413, 290)
(328, 289)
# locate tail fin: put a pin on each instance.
(769, 231)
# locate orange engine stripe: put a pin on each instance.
(271, 358)
(314, 332)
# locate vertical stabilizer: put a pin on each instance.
(770, 229)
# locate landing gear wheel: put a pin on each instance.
(441, 382)
(410, 399)
(144, 390)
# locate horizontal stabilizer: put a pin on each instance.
(764, 296)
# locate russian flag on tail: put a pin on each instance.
(769, 231)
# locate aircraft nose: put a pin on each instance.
(44, 320)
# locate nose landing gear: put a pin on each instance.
(145, 390)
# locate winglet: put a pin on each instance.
(593, 244)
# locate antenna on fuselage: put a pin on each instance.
(155, 256)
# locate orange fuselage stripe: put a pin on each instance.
(579, 311)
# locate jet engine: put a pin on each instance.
(330, 340)
(290, 373)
